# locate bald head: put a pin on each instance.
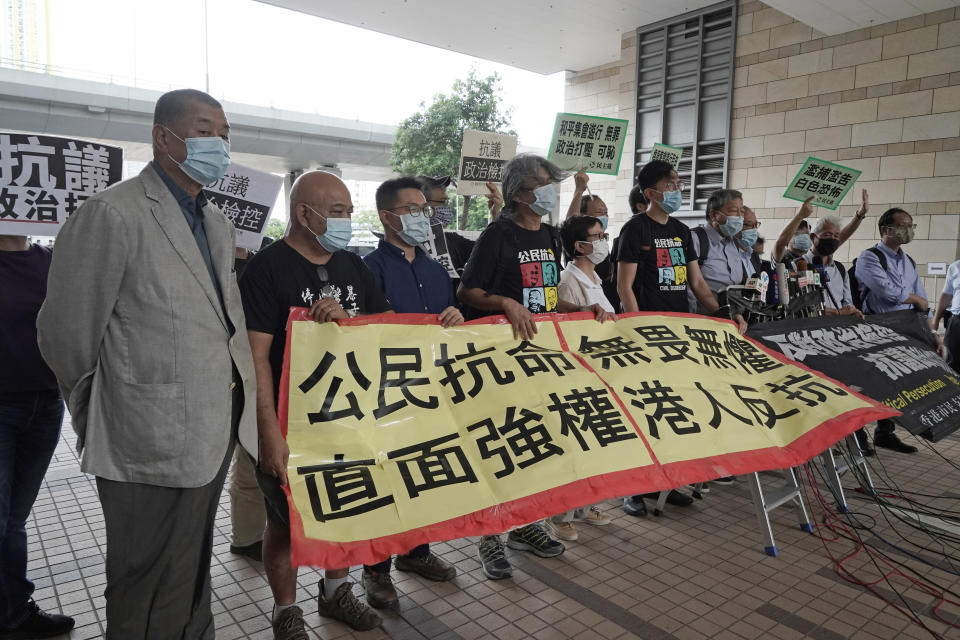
(323, 192)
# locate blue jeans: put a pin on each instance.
(29, 429)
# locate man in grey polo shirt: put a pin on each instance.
(720, 261)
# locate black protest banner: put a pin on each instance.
(889, 357)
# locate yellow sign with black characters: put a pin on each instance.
(402, 432)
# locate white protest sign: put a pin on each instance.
(44, 179)
(481, 160)
(246, 196)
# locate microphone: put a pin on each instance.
(783, 288)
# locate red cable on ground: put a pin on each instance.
(840, 530)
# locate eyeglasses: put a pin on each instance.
(747, 225)
(326, 291)
(674, 186)
(415, 211)
(903, 226)
(597, 236)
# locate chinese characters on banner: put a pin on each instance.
(670, 155)
(481, 160)
(402, 432)
(587, 142)
(246, 196)
(828, 182)
(44, 179)
(889, 355)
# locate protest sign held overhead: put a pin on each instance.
(246, 196)
(587, 142)
(888, 356)
(481, 160)
(826, 181)
(668, 154)
(420, 433)
(44, 179)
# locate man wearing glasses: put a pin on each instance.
(307, 268)
(414, 283)
(889, 281)
(656, 266)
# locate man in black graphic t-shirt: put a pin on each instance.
(308, 268)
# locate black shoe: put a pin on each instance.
(253, 551)
(678, 499)
(891, 441)
(634, 506)
(38, 624)
(723, 480)
(864, 442)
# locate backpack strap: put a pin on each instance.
(704, 249)
(842, 269)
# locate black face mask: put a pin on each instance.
(826, 246)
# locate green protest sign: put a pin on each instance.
(587, 142)
(826, 181)
(667, 153)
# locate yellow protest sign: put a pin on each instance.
(403, 432)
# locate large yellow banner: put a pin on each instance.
(402, 432)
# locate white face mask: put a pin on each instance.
(601, 250)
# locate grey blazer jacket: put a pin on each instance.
(135, 333)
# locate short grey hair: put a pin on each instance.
(824, 221)
(720, 197)
(522, 174)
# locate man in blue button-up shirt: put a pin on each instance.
(413, 283)
(892, 289)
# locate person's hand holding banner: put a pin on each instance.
(450, 317)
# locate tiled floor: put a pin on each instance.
(697, 572)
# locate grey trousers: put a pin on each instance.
(159, 547)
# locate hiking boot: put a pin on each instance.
(594, 516)
(492, 558)
(892, 442)
(534, 538)
(289, 625)
(429, 566)
(634, 506)
(345, 607)
(38, 624)
(379, 589)
(564, 530)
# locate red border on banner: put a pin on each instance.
(502, 517)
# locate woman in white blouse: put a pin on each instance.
(585, 246)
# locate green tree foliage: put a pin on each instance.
(429, 141)
(275, 228)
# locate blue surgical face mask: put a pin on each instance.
(207, 158)
(731, 226)
(603, 221)
(546, 199)
(442, 215)
(672, 201)
(416, 229)
(338, 233)
(749, 237)
(802, 242)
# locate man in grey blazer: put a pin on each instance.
(144, 329)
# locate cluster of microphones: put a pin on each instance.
(795, 290)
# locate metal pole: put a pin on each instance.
(206, 46)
